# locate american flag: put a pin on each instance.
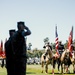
(56, 38)
(70, 40)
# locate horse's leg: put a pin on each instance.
(61, 67)
(67, 68)
(64, 67)
(46, 67)
(58, 65)
(73, 68)
(53, 66)
(42, 65)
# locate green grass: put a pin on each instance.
(35, 70)
(3, 71)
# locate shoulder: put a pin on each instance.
(7, 43)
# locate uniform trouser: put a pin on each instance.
(10, 67)
(20, 67)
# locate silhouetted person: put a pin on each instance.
(9, 54)
(19, 48)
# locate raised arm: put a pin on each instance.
(27, 32)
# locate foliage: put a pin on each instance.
(46, 40)
(35, 53)
(38, 53)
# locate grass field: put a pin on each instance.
(35, 70)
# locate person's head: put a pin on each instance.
(48, 43)
(11, 32)
(20, 25)
(60, 42)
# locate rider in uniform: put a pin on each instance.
(60, 48)
(45, 54)
(60, 51)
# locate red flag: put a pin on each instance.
(1, 48)
(4, 54)
(70, 40)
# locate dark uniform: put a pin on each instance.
(19, 49)
(60, 48)
(9, 54)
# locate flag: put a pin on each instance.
(4, 54)
(57, 55)
(70, 40)
(1, 48)
(56, 38)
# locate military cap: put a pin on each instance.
(20, 23)
(12, 30)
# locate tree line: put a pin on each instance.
(37, 53)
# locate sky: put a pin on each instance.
(41, 16)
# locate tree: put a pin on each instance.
(46, 40)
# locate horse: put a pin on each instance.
(59, 61)
(65, 61)
(73, 61)
(48, 60)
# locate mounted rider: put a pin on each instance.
(45, 46)
(60, 48)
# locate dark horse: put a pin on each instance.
(64, 61)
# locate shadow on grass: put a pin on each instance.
(30, 73)
(63, 73)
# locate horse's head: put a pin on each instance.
(67, 53)
(48, 49)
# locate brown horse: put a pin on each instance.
(73, 61)
(65, 61)
(49, 60)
